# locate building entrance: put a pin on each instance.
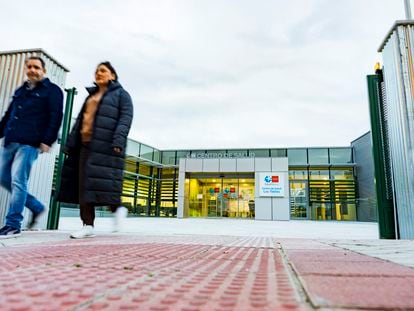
(299, 207)
(220, 197)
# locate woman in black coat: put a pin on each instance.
(92, 174)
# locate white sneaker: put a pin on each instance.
(119, 217)
(85, 232)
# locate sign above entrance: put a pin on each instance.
(220, 155)
(272, 184)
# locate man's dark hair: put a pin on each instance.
(36, 58)
(110, 67)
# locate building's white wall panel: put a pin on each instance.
(181, 182)
(180, 209)
(210, 165)
(280, 164)
(227, 165)
(245, 165)
(281, 208)
(193, 165)
(182, 163)
(263, 164)
(263, 208)
(181, 192)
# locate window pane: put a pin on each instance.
(213, 154)
(144, 170)
(130, 164)
(318, 156)
(278, 153)
(197, 154)
(132, 148)
(297, 156)
(342, 174)
(259, 153)
(298, 174)
(318, 174)
(340, 155)
(237, 153)
(168, 157)
(157, 156)
(146, 152)
(168, 173)
(182, 155)
(128, 188)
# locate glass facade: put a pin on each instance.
(297, 156)
(323, 193)
(322, 183)
(318, 156)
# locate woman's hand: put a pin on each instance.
(117, 149)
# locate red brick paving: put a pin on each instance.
(335, 278)
(190, 273)
(378, 293)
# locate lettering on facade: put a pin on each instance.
(220, 155)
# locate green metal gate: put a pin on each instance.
(382, 162)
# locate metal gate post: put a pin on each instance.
(385, 204)
(54, 210)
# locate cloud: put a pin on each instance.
(219, 74)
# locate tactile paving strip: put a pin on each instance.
(97, 275)
(265, 242)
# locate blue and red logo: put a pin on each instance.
(271, 179)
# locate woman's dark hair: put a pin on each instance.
(111, 69)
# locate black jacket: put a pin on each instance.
(104, 168)
(33, 116)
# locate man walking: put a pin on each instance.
(29, 126)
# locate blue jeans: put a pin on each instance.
(16, 161)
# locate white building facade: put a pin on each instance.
(246, 187)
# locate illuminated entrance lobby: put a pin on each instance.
(220, 196)
(317, 183)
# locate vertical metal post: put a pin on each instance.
(158, 193)
(407, 7)
(150, 190)
(387, 229)
(54, 211)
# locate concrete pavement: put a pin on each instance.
(159, 266)
(236, 227)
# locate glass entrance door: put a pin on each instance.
(212, 190)
(299, 208)
(229, 201)
(221, 197)
(246, 198)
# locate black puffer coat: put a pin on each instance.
(104, 167)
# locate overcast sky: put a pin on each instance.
(219, 73)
